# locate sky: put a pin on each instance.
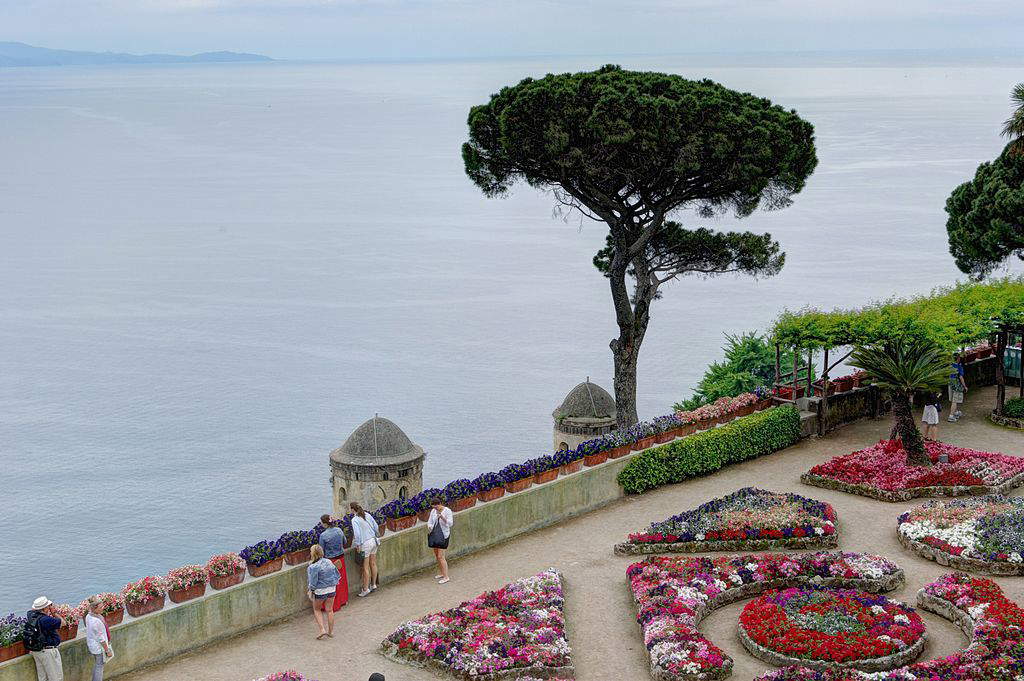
(431, 29)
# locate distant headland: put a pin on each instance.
(20, 54)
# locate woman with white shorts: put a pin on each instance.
(366, 539)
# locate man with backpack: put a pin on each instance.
(42, 638)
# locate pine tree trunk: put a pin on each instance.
(913, 443)
(631, 316)
(624, 356)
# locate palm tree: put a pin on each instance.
(1014, 126)
(903, 368)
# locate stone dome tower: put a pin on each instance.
(376, 463)
(586, 412)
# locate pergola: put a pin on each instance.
(1004, 340)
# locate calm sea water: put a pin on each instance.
(210, 275)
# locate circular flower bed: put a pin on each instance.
(747, 520)
(820, 628)
(982, 534)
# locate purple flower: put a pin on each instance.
(488, 481)
(261, 552)
(514, 472)
(297, 540)
(457, 489)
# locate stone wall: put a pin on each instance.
(178, 629)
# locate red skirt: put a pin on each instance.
(341, 592)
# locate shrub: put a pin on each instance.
(751, 436)
(144, 590)
(1014, 408)
(261, 552)
(12, 628)
(185, 576)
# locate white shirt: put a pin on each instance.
(95, 633)
(447, 519)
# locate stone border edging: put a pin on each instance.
(870, 665)
(828, 541)
(1006, 421)
(894, 496)
(880, 585)
(1001, 568)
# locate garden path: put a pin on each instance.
(600, 612)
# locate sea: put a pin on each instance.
(211, 274)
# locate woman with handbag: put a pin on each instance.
(439, 526)
(366, 539)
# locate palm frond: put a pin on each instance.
(1014, 126)
(904, 366)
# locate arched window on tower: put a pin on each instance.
(341, 494)
(385, 475)
(403, 492)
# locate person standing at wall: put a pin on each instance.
(333, 542)
(96, 638)
(439, 530)
(323, 580)
(42, 638)
(932, 407)
(366, 539)
(957, 388)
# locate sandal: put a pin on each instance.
(322, 636)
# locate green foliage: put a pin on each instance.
(986, 216)
(745, 438)
(1014, 126)
(749, 363)
(951, 317)
(1014, 408)
(904, 366)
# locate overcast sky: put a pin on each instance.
(493, 28)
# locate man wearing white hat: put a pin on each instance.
(42, 639)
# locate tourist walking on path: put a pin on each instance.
(323, 580)
(366, 539)
(439, 527)
(957, 388)
(96, 638)
(931, 416)
(42, 639)
(333, 542)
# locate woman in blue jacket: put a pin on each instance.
(323, 581)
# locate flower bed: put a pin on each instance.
(821, 628)
(747, 520)
(674, 594)
(990, 621)
(981, 534)
(512, 632)
(881, 472)
(284, 676)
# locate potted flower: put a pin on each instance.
(786, 392)
(844, 384)
(382, 521)
(516, 477)
(984, 351)
(460, 494)
(568, 461)
(664, 428)
(643, 434)
(295, 545)
(12, 629)
(687, 423)
(262, 558)
(743, 405)
(594, 452)
(71, 616)
(545, 469)
(224, 570)
(144, 596)
(618, 443)
(422, 502)
(111, 607)
(969, 355)
(764, 398)
(186, 582)
(489, 487)
(399, 514)
(858, 377)
(818, 392)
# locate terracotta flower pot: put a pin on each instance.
(662, 438)
(595, 459)
(969, 356)
(405, 522)
(687, 429)
(424, 515)
(764, 404)
(636, 446)
(188, 593)
(383, 527)
(112, 618)
(984, 352)
(462, 503)
(571, 467)
(786, 392)
(296, 557)
(224, 581)
(266, 568)
(68, 632)
(491, 494)
(844, 383)
(618, 452)
(518, 485)
(9, 652)
(648, 442)
(856, 380)
(140, 609)
(546, 476)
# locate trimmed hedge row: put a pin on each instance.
(745, 438)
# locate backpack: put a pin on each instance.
(33, 635)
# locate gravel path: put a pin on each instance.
(600, 612)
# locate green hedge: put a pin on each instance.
(1014, 408)
(745, 438)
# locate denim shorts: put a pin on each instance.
(323, 597)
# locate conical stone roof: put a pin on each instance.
(377, 442)
(586, 401)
